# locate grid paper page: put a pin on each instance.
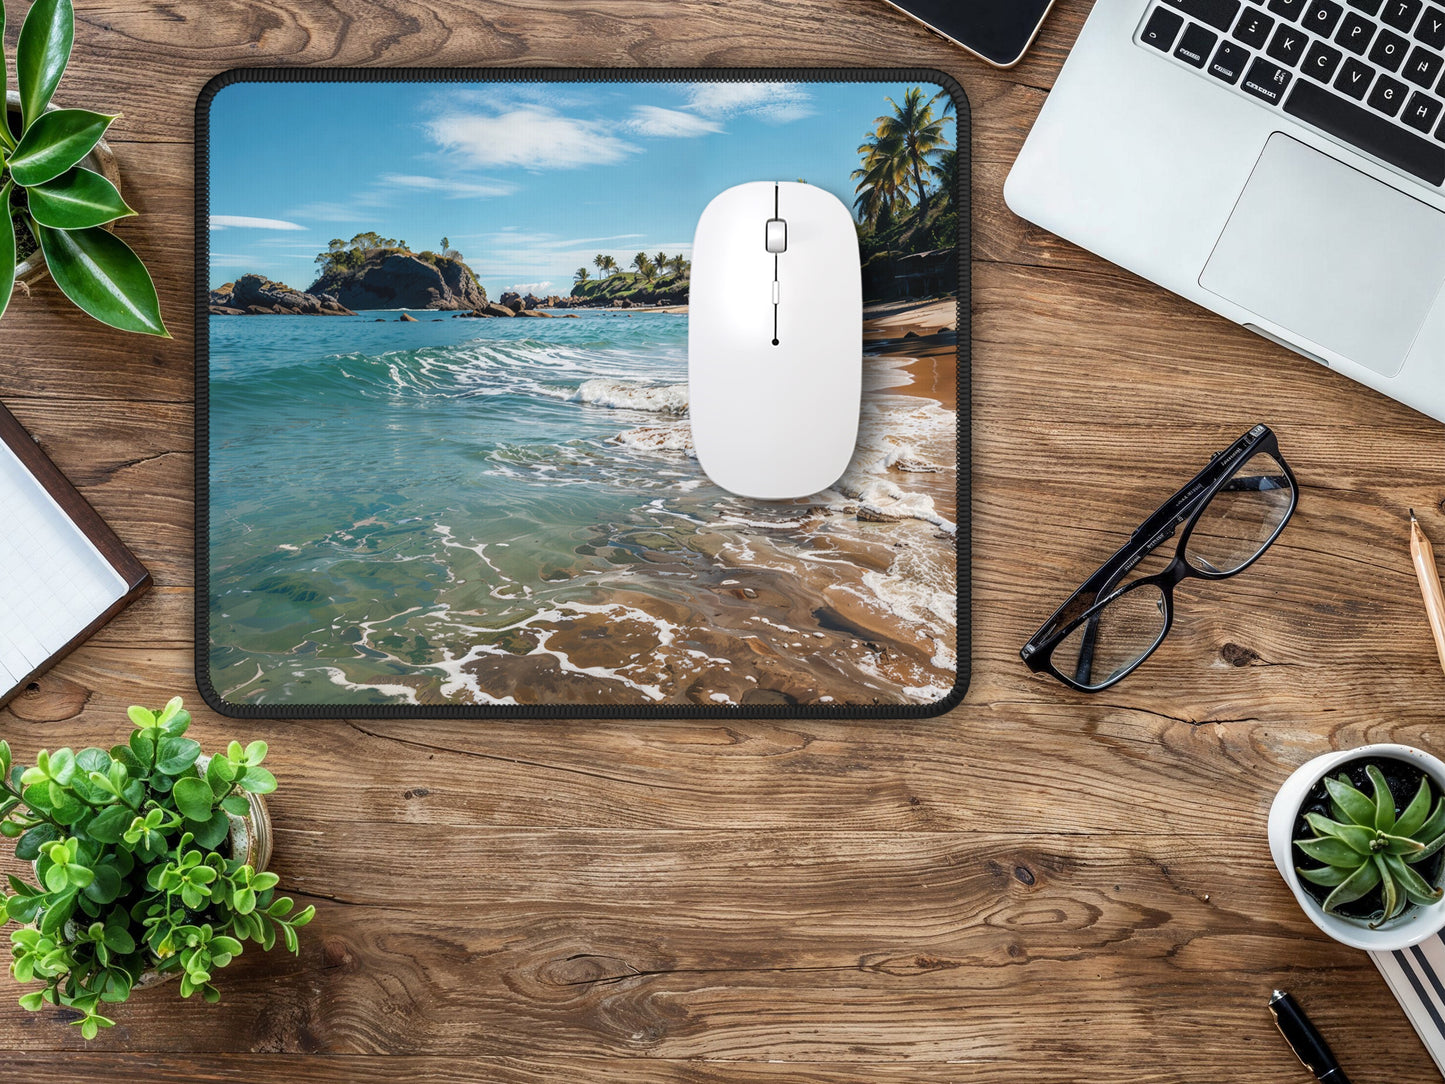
(53, 581)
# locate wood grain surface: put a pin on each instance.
(1040, 887)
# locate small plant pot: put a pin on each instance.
(101, 159)
(250, 840)
(1411, 927)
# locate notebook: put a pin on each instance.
(63, 572)
(1417, 978)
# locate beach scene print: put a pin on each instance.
(449, 460)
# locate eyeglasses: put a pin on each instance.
(1231, 512)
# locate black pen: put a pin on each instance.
(1307, 1043)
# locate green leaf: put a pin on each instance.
(1400, 844)
(99, 272)
(31, 1002)
(42, 53)
(1415, 887)
(1332, 852)
(305, 915)
(7, 285)
(1416, 812)
(54, 143)
(1390, 893)
(194, 799)
(289, 934)
(219, 773)
(1384, 800)
(255, 753)
(1352, 804)
(176, 755)
(1357, 838)
(236, 805)
(92, 760)
(78, 198)
(1430, 849)
(1433, 827)
(106, 886)
(27, 847)
(1328, 876)
(56, 879)
(258, 781)
(62, 766)
(173, 705)
(140, 716)
(1357, 884)
(210, 834)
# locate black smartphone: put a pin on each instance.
(1000, 31)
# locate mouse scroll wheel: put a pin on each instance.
(777, 235)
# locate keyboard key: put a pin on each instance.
(1323, 17)
(1217, 13)
(1290, 9)
(1253, 28)
(1432, 28)
(1423, 66)
(1196, 45)
(1368, 131)
(1389, 50)
(1388, 96)
(1288, 44)
(1321, 62)
(1401, 14)
(1369, 7)
(1355, 33)
(1228, 63)
(1266, 80)
(1422, 112)
(1355, 79)
(1162, 28)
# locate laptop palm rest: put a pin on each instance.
(1332, 255)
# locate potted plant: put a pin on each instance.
(149, 863)
(58, 190)
(1359, 836)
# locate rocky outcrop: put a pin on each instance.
(404, 280)
(256, 295)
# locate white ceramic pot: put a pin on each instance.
(1410, 928)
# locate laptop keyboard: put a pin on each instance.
(1370, 73)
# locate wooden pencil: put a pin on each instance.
(1423, 555)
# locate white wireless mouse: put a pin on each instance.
(775, 340)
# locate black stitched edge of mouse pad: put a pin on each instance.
(497, 519)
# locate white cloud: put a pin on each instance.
(777, 103)
(452, 189)
(531, 137)
(541, 289)
(221, 222)
(653, 120)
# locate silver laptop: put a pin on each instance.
(1280, 162)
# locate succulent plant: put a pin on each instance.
(1369, 844)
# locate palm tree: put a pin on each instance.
(643, 263)
(680, 265)
(582, 274)
(600, 262)
(659, 262)
(882, 179)
(916, 135)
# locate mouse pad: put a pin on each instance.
(444, 466)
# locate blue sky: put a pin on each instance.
(528, 181)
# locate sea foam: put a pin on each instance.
(625, 395)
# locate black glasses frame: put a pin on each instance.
(1184, 508)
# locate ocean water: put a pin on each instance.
(508, 511)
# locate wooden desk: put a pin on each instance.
(1040, 887)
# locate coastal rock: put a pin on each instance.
(404, 280)
(256, 295)
(405, 318)
(489, 308)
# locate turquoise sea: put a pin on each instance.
(506, 510)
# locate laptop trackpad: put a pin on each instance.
(1331, 254)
